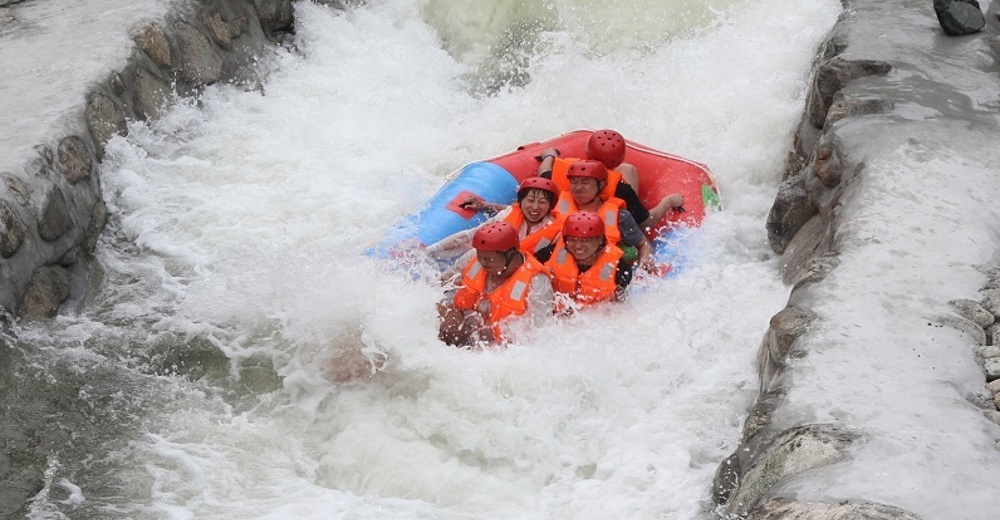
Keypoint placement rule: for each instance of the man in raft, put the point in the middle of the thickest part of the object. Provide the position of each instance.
(609, 147)
(588, 191)
(585, 267)
(498, 286)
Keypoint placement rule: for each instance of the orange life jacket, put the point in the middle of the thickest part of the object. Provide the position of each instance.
(560, 167)
(591, 286)
(608, 211)
(510, 299)
(540, 238)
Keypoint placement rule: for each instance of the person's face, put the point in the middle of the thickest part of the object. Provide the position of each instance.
(583, 248)
(535, 205)
(494, 262)
(583, 189)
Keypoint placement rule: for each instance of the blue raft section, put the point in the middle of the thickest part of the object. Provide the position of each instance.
(442, 215)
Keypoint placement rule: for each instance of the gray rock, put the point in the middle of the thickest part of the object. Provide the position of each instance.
(11, 232)
(787, 509)
(200, 61)
(993, 386)
(98, 218)
(17, 188)
(74, 160)
(827, 165)
(991, 301)
(811, 241)
(959, 17)
(791, 209)
(984, 352)
(104, 120)
(223, 32)
(55, 220)
(275, 15)
(967, 326)
(795, 450)
(47, 290)
(70, 257)
(844, 108)
(819, 268)
(153, 41)
(152, 96)
(785, 328)
(992, 368)
(831, 77)
(974, 311)
(760, 415)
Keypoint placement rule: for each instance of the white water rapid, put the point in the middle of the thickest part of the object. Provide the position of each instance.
(231, 274)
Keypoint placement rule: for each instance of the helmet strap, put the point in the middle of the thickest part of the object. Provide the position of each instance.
(509, 255)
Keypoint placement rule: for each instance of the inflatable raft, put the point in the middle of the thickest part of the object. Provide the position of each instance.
(496, 180)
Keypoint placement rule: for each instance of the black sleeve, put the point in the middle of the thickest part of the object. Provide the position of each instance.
(547, 174)
(624, 276)
(545, 253)
(634, 206)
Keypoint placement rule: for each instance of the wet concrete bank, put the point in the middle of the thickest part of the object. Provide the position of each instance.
(886, 69)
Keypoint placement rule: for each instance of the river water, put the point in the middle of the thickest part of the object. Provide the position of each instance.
(203, 375)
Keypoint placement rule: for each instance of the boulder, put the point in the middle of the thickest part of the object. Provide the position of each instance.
(55, 220)
(959, 17)
(795, 450)
(200, 60)
(153, 41)
(831, 77)
(785, 509)
(974, 311)
(49, 287)
(791, 209)
(74, 160)
(104, 120)
(11, 233)
(152, 95)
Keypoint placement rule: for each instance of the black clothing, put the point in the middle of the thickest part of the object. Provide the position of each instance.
(627, 193)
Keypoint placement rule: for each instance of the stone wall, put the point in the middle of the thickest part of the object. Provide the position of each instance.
(802, 226)
(51, 212)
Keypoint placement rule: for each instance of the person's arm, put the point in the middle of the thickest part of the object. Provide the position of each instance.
(476, 203)
(633, 236)
(456, 243)
(634, 206)
(540, 299)
(459, 242)
(668, 203)
(622, 279)
(546, 160)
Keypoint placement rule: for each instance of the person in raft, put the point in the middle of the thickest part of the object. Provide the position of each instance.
(500, 285)
(534, 217)
(585, 267)
(608, 146)
(587, 180)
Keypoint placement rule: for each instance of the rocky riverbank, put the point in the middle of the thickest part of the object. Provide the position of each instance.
(886, 69)
(51, 210)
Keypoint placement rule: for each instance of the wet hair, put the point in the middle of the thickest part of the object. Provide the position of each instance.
(551, 197)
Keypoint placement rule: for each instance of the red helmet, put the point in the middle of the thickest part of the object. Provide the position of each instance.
(538, 183)
(606, 146)
(496, 236)
(588, 168)
(583, 224)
